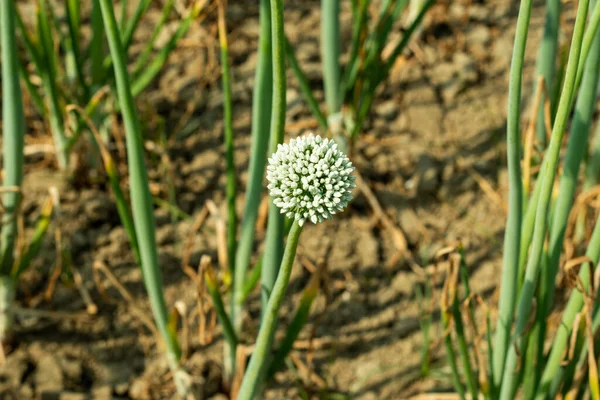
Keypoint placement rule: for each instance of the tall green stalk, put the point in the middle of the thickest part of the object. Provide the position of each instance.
(512, 235)
(13, 122)
(49, 76)
(261, 126)
(229, 142)
(13, 132)
(546, 61)
(230, 189)
(141, 199)
(548, 173)
(97, 44)
(275, 224)
(74, 24)
(262, 349)
(330, 55)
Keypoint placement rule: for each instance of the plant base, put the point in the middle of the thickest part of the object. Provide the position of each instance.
(7, 298)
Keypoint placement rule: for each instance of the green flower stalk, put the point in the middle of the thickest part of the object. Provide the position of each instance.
(309, 179)
(296, 325)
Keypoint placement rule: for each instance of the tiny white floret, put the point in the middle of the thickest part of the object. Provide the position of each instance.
(310, 178)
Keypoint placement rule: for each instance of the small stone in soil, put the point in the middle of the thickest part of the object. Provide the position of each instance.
(428, 174)
(48, 375)
(121, 388)
(408, 221)
(69, 396)
(103, 392)
(138, 389)
(388, 109)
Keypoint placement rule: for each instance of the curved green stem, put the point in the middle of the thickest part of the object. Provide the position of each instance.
(254, 373)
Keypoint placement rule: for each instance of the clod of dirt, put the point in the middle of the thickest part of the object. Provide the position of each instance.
(408, 221)
(458, 12)
(72, 396)
(13, 370)
(102, 392)
(388, 110)
(479, 12)
(427, 175)
(121, 389)
(501, 53)
(72, 368)
(453, 77)
(219, 396)
(478, 40)
(139, 389)
(165, 235)
(98, 206)
(48, 375)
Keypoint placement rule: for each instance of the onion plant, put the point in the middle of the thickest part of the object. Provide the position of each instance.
(76, 73)
(350, 90)
(520, 365)
(13, 260)
(319, 188)
(309, 179)
(141, 200)
(267, 133)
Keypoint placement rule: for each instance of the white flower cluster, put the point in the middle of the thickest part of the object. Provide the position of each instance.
(309, 178)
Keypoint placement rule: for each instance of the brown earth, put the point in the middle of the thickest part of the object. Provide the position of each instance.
(432, 152)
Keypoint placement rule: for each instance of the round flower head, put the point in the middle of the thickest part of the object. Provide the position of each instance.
(309, 178)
